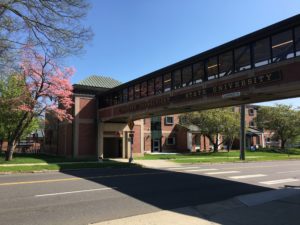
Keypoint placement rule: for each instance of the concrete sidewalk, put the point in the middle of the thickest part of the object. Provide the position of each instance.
(156, 163)
(278, 207)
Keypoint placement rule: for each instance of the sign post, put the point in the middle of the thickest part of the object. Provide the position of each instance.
(242, 134)
(131, 135)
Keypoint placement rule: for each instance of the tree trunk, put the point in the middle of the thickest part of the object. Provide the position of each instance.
(215, 147)
(283, 144)
(10, 151)
(216, 144)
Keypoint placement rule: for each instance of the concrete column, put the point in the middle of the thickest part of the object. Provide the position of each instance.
(242, 134)
(100, 140)
(76, 126)
(142, 137)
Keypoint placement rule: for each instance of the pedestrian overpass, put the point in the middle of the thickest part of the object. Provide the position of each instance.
(261, 66)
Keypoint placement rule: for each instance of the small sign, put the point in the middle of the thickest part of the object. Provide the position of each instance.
(231, 95)
(130, 124)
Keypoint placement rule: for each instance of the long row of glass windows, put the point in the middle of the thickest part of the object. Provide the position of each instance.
(271, 49)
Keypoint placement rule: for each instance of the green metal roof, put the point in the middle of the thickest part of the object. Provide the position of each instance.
(99, 81)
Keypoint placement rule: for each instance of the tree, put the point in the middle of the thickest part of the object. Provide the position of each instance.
(43, 86)
(282, 120)
(213, 123)
(52, 25)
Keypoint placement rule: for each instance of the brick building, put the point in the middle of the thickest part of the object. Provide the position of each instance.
(82, 137)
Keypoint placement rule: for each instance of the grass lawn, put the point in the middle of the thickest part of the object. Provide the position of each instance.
(232, 156)
(61, 167)
(19, 158)
(54, 163)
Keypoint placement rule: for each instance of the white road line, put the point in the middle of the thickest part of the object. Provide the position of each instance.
(248, 176)
(200, 170)
(185, 168)
(74, 192)
(223, 172)
(291, 171)
(270, 182)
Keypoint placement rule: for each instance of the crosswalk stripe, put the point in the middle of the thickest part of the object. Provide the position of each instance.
(223, 172)
(185, 168)
(270, 182)
(200, 170)
(248, 176)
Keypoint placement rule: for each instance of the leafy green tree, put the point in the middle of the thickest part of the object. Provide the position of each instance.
(283, 120)
(213, 123)
(13, 94)
(40, 86)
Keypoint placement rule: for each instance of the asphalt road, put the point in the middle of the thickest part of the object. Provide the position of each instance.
(88, 196)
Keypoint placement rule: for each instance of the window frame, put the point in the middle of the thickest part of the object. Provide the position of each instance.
(167, 122)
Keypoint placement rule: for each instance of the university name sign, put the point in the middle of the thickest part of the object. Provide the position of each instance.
(231, 86)
(220, 89)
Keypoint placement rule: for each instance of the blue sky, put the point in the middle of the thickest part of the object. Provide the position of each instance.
(135, 37)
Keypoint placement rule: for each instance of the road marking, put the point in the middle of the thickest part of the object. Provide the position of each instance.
(248, 176)
(79, 178)
(40, 181)
(200, 170)
(223, 172)
(186, 168)
(291, 171)
(270, 182)
(74, 192)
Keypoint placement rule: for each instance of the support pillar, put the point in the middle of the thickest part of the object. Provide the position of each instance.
(242, 133)
(100, 141)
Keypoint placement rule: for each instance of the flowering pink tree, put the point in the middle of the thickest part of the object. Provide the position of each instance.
(47, 89)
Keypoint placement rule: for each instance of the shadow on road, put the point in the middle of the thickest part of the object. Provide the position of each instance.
(164, 189)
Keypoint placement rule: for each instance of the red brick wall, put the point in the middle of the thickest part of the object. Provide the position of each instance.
(87, 108)
(65, 139)
(137, 139)
(87, 140)
(181, 140)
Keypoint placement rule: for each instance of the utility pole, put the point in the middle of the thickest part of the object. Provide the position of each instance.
(242, 133)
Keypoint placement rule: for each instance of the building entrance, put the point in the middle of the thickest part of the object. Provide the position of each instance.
(112, 147)
(156, 145)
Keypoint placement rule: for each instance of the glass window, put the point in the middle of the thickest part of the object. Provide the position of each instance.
(261, 52)
(158, 85)
(176, 79)
(211, 67)
(125, 95)
(242, 58)
(144, 89)
(120, 99)
(131, 94)
(137, 91)
(150, 87)
(108, 101)
(225, 64)
(169, 120)
(115, 98)
(297, 40)
(282, 46)
(198, 72)
(187, 76)
(167, 82)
